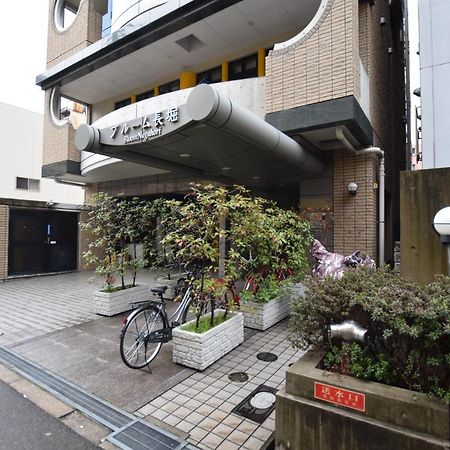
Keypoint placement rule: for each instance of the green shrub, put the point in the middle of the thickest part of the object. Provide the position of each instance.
(408, 338)
(269, 288)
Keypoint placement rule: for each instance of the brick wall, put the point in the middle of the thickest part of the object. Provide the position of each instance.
(85, 30)
(355, 216)
(58, 140)
(4, 232)
(323, 66)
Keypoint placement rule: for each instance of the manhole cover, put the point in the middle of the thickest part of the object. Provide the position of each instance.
(258, 405)
(262, 400)
(238, 377)
(268, 357)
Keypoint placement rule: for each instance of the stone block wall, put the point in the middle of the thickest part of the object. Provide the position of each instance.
(4, 233)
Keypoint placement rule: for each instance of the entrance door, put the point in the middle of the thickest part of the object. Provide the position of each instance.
(42, 242)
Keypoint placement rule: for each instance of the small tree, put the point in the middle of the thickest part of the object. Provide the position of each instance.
(116, 225)
(102, 225)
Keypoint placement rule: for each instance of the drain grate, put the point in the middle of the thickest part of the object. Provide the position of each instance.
(130, 433)
(136, 436)
(267, 357)
(258, 405)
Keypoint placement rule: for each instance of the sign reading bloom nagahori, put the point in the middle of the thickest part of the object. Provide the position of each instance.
(143, 128)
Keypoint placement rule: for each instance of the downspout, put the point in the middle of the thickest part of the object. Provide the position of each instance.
(381, 175)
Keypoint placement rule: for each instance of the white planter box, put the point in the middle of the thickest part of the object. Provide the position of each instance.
(199, 351)
(111, 303)
(171, 284)
(262, 316)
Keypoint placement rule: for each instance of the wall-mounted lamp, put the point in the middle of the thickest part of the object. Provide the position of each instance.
(352, 188)
(382, 21)
(441, 223)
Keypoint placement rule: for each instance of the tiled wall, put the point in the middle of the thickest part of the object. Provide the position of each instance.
(85, 30)
(321, 67)
(355, 216)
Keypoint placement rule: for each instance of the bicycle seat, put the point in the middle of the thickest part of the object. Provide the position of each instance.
(159, 289)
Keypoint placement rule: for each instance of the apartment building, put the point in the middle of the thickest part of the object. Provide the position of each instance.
(293, 99)
(38, 217)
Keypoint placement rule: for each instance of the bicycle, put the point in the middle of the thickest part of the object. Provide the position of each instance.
(148, 326)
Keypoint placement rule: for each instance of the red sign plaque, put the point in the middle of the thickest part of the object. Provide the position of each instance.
(339, 396)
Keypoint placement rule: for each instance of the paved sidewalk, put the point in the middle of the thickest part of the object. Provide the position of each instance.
(31, 307)
(201, 405)
(50, 321)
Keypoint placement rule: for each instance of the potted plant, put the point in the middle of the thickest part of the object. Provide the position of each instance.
(279, 241)
(389, 386)
(115, 225)
(196, 227)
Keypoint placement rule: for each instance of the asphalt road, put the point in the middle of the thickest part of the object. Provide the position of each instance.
(24, 426)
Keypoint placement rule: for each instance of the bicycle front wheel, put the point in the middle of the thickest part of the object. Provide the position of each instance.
(135, 348)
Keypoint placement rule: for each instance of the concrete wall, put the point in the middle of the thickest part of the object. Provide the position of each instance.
(21, 156)
(422, 194)
(434, 30)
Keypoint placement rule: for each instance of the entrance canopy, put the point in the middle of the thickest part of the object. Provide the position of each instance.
(207, 136)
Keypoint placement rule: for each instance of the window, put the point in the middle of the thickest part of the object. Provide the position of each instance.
(65, 13)
(169, 87)
(144, 95)
(244, 68)
(122, 103)
(210, 76)
(29, 184)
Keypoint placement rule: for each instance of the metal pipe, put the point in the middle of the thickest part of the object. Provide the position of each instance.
(348, 331)
(381, 183)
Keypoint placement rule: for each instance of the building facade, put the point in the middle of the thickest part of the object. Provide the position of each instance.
(38, 217)
(425, 192)
(278, 95)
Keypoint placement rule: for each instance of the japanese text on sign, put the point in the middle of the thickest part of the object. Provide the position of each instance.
(141, 130)
(339, 396)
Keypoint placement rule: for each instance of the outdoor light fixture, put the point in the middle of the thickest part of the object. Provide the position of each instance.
(185, 155)
(352, 188)
(441, 223)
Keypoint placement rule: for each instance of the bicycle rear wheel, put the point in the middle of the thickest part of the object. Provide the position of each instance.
(136, 350)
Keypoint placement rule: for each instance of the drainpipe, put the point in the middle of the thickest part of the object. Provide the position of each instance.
(381, 175)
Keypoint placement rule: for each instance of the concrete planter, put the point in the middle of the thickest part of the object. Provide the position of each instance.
(111, 303)
(354, 414)
(261, 316)
(170, 283)
(199, 351)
